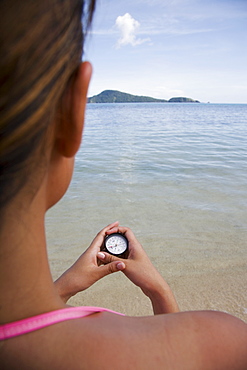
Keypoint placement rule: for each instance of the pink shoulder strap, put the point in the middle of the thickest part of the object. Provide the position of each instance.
(30, 324)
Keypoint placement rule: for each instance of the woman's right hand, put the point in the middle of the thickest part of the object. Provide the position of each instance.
(140, 270)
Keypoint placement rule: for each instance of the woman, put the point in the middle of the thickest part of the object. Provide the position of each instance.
(43, 98)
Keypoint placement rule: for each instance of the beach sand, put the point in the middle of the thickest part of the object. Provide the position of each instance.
(195, 288)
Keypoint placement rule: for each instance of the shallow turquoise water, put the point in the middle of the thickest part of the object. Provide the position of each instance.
(175, 173)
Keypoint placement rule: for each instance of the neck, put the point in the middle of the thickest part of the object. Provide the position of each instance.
(26, 287)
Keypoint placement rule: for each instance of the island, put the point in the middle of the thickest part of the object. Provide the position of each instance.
(114, 96)
(182, 100)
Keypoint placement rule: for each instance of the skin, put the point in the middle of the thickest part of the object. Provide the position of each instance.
(167, 340)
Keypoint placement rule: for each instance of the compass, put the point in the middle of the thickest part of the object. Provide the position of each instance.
(116, 244)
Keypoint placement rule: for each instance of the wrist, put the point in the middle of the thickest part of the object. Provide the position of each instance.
(162, 299)
(156, 292)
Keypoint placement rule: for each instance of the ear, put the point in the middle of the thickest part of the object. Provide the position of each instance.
(71, 125)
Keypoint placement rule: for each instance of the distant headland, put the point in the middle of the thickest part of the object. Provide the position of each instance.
(114, 96)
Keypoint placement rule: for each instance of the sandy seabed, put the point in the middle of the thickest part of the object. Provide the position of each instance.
(193, 292)
(196, 288)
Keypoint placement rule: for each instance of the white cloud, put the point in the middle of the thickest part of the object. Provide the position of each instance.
(128, 27)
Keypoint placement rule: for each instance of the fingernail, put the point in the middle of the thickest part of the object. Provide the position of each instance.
(101, 255)
(121, 266)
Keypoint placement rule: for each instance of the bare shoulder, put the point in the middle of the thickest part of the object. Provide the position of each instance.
(189, 340)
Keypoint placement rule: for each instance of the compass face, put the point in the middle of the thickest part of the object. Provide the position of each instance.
(116, 244)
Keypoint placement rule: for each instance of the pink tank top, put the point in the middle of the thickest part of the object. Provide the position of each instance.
(34, 323)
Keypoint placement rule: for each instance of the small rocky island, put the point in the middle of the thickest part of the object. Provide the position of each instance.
(114, 96)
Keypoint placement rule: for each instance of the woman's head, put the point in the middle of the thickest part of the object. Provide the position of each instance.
(41, 48)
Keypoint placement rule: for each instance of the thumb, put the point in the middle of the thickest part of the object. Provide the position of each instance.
(110, 265)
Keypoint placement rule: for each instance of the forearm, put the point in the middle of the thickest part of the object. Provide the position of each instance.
(65, 287)
(162, 299)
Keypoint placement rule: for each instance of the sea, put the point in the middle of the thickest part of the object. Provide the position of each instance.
(176, 174)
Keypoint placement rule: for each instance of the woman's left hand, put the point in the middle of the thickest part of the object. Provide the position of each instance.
(86, 271)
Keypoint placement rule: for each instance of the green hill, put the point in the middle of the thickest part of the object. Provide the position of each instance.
(114, 96)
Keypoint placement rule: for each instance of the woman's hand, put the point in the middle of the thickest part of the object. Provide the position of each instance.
(140, 270)
(86, 271)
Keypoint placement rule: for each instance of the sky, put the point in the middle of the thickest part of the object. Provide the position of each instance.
(168, 48)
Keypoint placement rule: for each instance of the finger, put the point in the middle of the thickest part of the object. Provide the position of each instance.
(135, 248)
(111, 226)
(130, 236)
(123, 230)
(108, 228)
(98, 240)
(114, 229)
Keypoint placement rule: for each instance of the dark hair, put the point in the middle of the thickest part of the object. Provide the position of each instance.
(41, 45)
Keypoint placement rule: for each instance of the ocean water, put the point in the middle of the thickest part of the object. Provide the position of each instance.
(177, 175)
